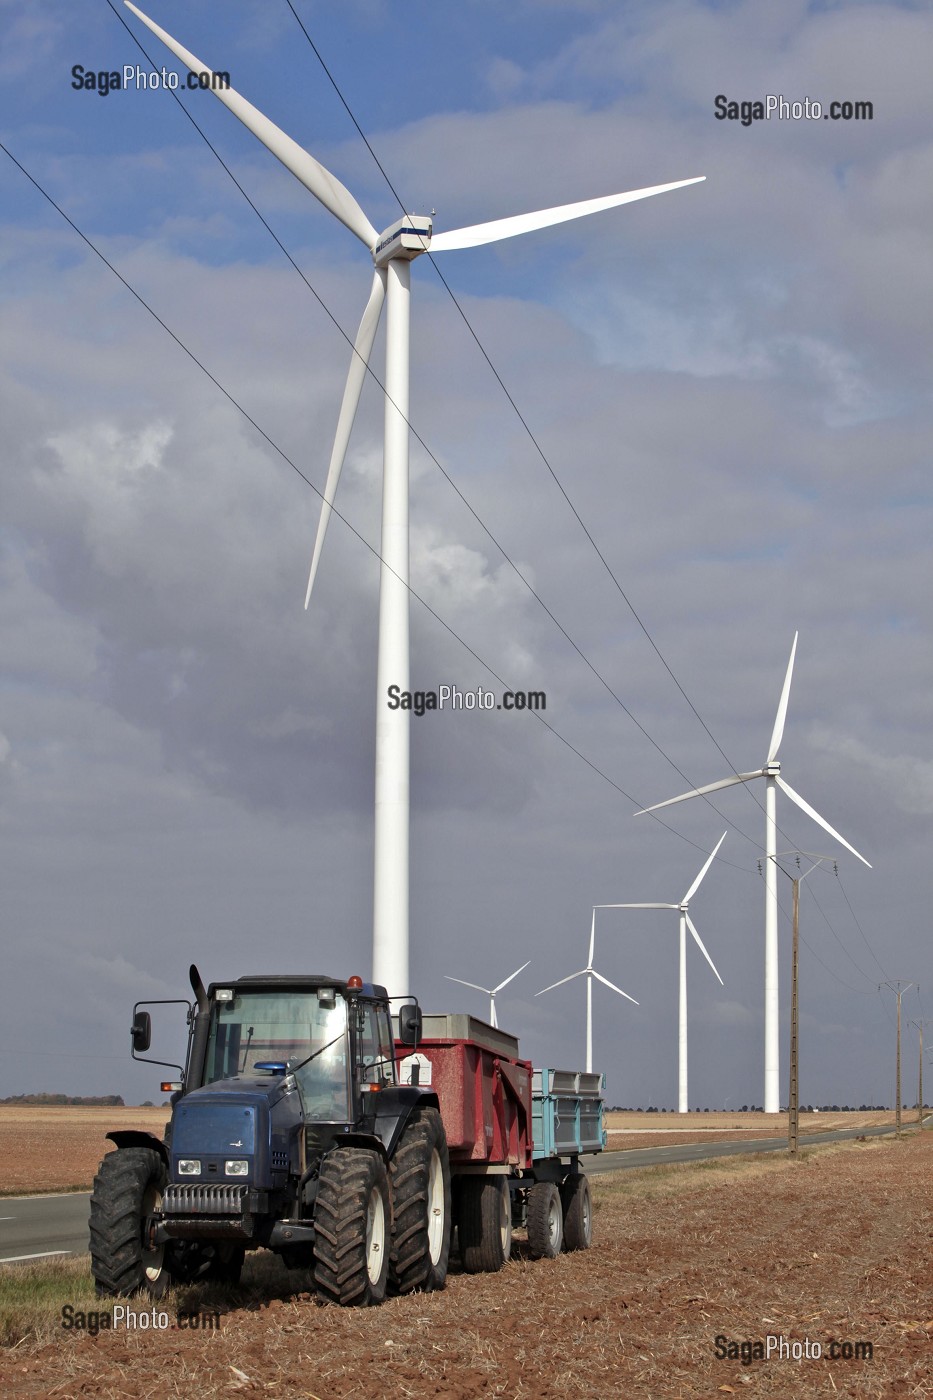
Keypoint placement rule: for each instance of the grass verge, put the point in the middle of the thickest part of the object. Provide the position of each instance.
(32, 1297)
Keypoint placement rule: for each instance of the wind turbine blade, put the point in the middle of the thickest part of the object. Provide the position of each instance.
(777, 734)
(701, 947)
(498, 229)
(582, 971)
(476, 987)
(699, 879)
(589, 961)
(638, 906)
(514, 974)
(811, 812)
(322, 184)
(710, 787)
(362, 349)
(606, 983)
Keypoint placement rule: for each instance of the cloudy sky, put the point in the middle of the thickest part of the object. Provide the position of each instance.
(728, 426)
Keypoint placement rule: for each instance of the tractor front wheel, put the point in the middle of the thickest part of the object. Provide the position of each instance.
(127, 1192)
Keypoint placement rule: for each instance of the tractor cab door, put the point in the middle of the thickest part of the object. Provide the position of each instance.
(376, 1048)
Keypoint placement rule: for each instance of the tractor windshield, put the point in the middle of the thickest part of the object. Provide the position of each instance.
(306, 1031)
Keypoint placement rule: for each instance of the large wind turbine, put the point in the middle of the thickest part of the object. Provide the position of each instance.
(685, 923)
(771, 773)
(490, 991)
(392, 252)
(589, 972)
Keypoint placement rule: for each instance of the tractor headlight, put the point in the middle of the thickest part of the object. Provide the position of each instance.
(237, 1167)
(189, 1166)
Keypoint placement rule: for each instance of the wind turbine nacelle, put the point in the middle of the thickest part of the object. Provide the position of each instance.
(407, 238)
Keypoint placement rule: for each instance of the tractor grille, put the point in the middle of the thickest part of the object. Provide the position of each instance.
(279, 1161)
(190, 1199)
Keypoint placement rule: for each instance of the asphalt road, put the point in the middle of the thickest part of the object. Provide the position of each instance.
(36, 1227)
(700, 1151)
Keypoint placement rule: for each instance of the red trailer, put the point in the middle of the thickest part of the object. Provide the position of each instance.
(514, 1136)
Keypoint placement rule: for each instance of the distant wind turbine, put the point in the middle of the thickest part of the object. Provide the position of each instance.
(589, 972)
(392, 252)
(490, 991)
(685, 923)
(771, 773)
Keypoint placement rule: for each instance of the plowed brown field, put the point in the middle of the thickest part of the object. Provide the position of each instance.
(58, 1149)
(832, 1249)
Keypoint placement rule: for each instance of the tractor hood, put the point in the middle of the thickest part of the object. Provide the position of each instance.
(243, 1130)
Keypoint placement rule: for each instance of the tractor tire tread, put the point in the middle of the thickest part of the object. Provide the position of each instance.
(412, 1266)
(115, 1236)
(348, 1175)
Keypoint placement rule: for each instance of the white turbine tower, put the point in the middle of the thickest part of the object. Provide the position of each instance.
(589, 972)
(490, 991)
(771, 773)
(685, 923)
(392, 253)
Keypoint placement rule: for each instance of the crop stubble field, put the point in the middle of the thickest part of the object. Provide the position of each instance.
(836, 1246)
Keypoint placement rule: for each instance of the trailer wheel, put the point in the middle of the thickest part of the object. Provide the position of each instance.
(484, 1225)
(545, 1219)
(420, 1177)
(127, 1191)
(351, 1228)
(578, 1212)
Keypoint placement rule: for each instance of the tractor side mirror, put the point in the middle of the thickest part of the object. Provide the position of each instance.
(409, 1024)
(141, 1032)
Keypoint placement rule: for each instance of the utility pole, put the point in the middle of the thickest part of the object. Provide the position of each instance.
(793, 1101)
(793, 1097)
(920, 1025)
(899, 992)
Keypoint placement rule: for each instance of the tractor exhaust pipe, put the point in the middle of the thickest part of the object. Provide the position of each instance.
(199, 1036)
(197, 986)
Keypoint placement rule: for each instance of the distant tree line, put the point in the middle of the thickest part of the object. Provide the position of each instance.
(56, 1100)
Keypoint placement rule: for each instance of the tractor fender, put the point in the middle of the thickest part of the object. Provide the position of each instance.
(137, 1137)
(397, 1103)
(368, 1140)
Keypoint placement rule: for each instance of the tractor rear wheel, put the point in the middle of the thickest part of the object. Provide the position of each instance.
(420, 1176)
(127, 1190)
(484, 1224)
(352, 1228)
(578, 1212)
(545, 1219)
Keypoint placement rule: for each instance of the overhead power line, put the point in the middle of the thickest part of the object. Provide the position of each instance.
(307, 481)
(473, 512)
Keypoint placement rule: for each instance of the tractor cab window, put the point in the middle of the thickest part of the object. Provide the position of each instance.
(377, 1049)
(303, 1030)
